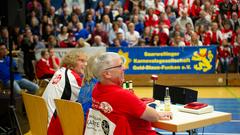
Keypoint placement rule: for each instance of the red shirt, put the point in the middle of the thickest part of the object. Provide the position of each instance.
(43, 68)
(123, 103)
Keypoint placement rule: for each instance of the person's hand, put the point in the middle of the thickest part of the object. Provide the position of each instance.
(165, 115)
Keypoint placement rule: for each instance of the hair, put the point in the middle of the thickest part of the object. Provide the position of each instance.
(102, 62)
(43, 52)
(88, 74)
(70, 59)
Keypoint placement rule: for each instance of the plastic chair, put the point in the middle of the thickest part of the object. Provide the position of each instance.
(37, 114)
(71, 116)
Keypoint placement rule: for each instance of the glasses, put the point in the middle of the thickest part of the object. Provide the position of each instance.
(119, 66)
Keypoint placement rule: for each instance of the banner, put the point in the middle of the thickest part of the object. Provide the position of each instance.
(168, 60)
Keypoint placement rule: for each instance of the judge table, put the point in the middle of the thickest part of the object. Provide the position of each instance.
(183, 121)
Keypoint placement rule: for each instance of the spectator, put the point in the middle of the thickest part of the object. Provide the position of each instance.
(106, 24)
(89, 81)
(213, 36)
(177, 30)
(122, 25)
(19, 83)
(155, 40)
(195, 10)
(63, 35)
(139, 26)
(151, 19)
(147, 35)
(183, 20)
(54, 61)
(90, 24)
(225, 9)
(100, 32)
(43, 69)
(39, 44)
(116, 43)
(51, 42)
(108, 11)
(123, 42)
(115, 4)
(132, 36)
(177, 41)
(113, 32)
(98, 42)
(82, 33)
(188, 33)
(195, 40)
(227, 32)
(170, 14)
(4, 37)
(224, 54)
(109, 70)
(64, 17)
(202, 20)
(65, 84)
(235, 21)
(27, 46)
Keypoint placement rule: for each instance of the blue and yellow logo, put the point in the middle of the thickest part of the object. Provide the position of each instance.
(125, 55)
(204, 58)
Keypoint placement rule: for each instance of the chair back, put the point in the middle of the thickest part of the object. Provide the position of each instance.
(178, 95)
(71, 116)
(37, 113)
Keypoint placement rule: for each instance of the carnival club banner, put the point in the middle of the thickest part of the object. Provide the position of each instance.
(168, 60)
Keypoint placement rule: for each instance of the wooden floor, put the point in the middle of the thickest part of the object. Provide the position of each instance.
(203, 92)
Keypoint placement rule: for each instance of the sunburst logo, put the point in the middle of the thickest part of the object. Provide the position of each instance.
(204, 58)
(125, 55)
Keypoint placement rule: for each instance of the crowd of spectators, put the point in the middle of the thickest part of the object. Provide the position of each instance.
(129, 23)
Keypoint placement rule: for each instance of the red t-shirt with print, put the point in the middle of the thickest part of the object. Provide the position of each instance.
(123, 103)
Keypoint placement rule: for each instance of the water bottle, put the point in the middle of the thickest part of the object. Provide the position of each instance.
(130, 85)
(167, 101)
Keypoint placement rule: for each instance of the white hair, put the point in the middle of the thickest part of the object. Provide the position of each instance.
(103, 61)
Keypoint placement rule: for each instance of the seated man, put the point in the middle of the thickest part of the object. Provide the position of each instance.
(19, 82)
(112, 100)
(43, 69)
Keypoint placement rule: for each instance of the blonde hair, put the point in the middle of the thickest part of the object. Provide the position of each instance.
(70, 59)
(88, 74)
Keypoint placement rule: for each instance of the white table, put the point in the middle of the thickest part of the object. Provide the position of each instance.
(183, 121)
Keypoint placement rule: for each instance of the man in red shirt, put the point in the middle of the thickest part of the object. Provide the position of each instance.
(43, 69)
(112, 100)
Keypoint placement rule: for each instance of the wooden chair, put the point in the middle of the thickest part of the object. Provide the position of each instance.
(37, 114)
(71, 116)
